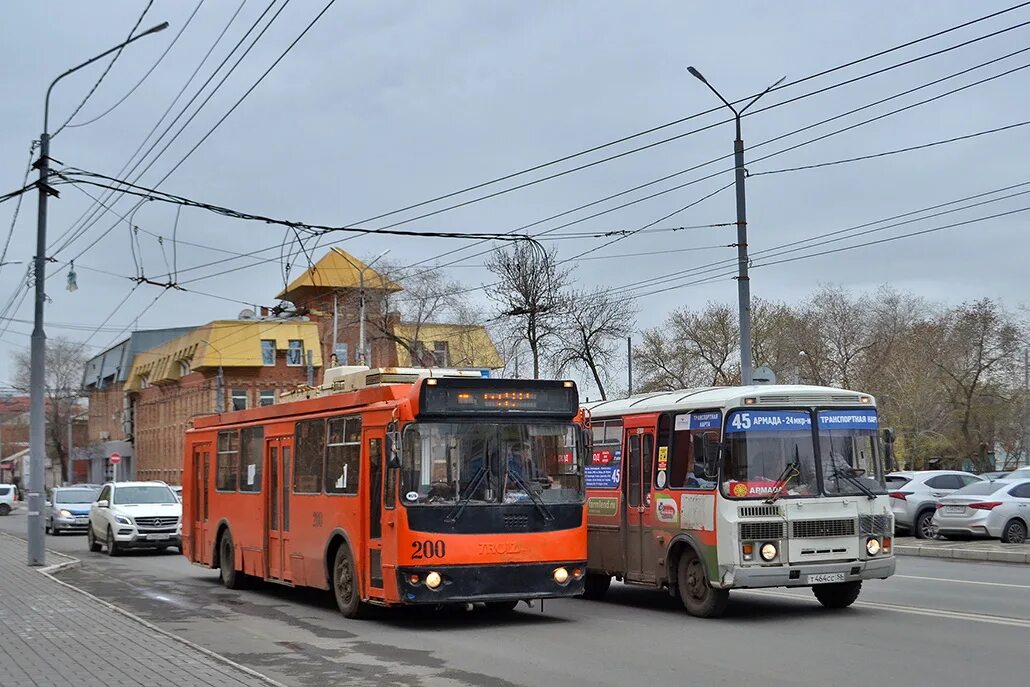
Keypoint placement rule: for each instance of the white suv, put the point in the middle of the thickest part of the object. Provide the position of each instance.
(8, 497)
(130, 515)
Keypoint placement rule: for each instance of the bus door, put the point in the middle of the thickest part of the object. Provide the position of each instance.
(278, 455)
(638, 459)
(375, 445)
(199, 514)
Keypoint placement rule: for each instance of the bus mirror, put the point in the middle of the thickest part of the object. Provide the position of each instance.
(393, 459)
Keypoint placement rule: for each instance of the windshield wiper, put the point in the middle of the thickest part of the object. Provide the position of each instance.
(838, 473)
(534, 497)
(790, 471)
(453, 516)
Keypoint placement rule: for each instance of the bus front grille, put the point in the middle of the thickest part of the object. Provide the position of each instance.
(875, 524)
(752, 531)
(515, 521)
(770, 510)
(806, 529)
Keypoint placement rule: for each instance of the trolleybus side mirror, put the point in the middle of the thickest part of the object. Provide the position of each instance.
(393, 459)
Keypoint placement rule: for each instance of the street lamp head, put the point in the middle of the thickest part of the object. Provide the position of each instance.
(781, 80)
(697, 75)
(154, 29)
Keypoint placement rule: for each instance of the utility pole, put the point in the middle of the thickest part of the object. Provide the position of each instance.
(37, 369)
(70, 474)
(629, 365)
(1026, 406)
(743, 278)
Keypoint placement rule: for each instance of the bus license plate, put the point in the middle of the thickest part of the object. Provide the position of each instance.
(825, 578)
(157, 537)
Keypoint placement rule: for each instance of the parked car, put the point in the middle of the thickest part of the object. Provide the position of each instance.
(130, 515)
(995, 476)
(8, 497)
(999, 510)
(914, 496)
(68, 509)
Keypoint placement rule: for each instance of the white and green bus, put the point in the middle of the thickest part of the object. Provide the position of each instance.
(700, 491)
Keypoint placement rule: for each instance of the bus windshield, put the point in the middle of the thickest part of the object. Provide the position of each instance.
(769, 452)
(848, 452)
(479, 462)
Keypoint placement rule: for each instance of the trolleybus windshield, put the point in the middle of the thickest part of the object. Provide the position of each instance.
(485, 462)
(848, 452)
(769, 452)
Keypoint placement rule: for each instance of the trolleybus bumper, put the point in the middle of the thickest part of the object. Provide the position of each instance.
(471, 583)
(807, 575)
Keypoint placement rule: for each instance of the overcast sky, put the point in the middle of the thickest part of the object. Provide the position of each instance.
(382, 105)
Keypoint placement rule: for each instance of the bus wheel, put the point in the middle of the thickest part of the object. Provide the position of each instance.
(595, 586)
(345, 585)
(698, 597)
(837, 595)
(231, 577)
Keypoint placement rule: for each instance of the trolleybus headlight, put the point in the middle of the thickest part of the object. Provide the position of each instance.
(433, 580)
(768, 551)
(872, 546)
(561, 575)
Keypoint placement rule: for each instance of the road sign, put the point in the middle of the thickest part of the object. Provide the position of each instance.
(115, 458)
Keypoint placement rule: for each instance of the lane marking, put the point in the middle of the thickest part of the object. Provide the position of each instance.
(947, 579)
(913, 610)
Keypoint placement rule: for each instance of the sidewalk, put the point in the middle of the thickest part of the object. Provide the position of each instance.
(53, 635)
(982, 550)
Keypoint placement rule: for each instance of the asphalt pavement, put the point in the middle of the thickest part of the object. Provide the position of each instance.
(939, 622)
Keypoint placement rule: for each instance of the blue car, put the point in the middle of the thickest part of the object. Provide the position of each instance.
(68, 509)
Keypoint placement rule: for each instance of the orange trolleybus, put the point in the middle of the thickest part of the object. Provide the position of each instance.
(395, 486)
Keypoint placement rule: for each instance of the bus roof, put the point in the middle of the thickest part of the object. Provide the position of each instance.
(728, 396)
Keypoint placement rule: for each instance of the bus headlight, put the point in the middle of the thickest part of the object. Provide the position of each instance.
(561, 575)
(433, 580)
(872, 546)
(768, 551)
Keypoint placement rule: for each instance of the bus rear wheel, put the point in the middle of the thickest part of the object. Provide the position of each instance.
(837, 595)
(596, 585)
(345, 585)
(698, 596)
(231, 577)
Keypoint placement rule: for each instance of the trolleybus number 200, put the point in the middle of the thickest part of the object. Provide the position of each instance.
(425, 550)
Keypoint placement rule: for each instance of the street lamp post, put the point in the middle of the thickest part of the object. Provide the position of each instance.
(361, 300)
(37, 370)
(743, 280)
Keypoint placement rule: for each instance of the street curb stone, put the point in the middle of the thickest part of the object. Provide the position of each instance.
(75, 562)
(963, 554)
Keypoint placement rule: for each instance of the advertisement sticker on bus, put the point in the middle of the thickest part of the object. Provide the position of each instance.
(768, 421)
(663, 457)
(848, 419)
(602, 505)
(604, 457)
(666, 510)
(744, 489)
(602, 476)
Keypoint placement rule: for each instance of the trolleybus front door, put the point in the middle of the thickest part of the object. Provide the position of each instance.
(637, 486)
(277, 506)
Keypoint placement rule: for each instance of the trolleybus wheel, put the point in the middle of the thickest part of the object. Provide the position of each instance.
(698, 597)
(595, 586)
(501, 606)
(345, 585)
(231, 577)
(837, 595)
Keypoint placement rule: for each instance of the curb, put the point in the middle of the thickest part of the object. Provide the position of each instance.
(75, 562)
(987, 555)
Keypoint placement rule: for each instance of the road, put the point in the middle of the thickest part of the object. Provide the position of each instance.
(937, 622)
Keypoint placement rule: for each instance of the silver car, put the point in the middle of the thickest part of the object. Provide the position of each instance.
(999, 510)
(914, 496)
(68, 509)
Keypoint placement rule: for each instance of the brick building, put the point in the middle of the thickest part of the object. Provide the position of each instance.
(226, 364)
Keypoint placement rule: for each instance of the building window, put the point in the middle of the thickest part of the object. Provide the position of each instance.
(252, 446)
(266, 397)
(239, 399)
(442, 353)
(268, 352)
(227, 470)
(295, 353)
(185, 367)
(343, 456)
(144, 381)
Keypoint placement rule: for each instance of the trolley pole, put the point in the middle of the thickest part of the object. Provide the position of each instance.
(37, 365)
(743, 261)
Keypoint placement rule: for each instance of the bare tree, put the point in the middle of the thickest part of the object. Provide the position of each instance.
(690, 349)
(590, 333)
(65, 362)
(530, 295)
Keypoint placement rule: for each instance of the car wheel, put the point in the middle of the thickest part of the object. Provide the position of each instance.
(112, 545)
(5, 509)
(345, 585)
(925, 529)
(596, 585)
(698, 596)
(839, 595)
(91, 540)
(231, 577)
(1014, 532)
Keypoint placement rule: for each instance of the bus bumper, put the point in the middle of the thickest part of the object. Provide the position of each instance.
(802, 575)
(471, 583)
